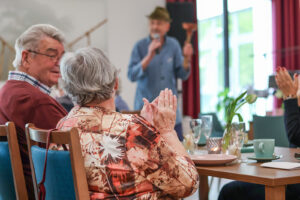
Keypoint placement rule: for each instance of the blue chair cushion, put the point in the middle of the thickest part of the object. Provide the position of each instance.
(7, 189)
(59, 178)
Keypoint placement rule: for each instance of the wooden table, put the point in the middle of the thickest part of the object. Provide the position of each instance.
(275, 180)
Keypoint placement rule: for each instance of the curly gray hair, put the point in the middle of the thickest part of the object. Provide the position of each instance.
(88, 75)
(31, 37)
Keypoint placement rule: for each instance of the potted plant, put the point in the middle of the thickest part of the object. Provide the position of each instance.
(231, 111)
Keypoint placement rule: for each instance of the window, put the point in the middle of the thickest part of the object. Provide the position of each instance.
(211, 53)
(250, 47)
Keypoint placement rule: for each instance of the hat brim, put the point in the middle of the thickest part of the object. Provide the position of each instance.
(159, 18)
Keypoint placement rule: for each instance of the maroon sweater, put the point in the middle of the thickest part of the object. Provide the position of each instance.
(21, 103)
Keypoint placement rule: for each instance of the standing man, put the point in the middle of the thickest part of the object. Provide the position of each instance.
(25, 96)
(156, 62)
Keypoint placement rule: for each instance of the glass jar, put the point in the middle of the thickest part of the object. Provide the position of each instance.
(233, 139)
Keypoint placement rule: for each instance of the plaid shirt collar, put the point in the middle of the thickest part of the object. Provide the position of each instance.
(22, 76)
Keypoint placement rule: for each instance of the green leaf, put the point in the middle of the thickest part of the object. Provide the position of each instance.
(240, 117)
(241, 96)
(239, 106)
(219, 107)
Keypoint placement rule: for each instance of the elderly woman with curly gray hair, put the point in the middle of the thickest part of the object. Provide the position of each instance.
(126, 156)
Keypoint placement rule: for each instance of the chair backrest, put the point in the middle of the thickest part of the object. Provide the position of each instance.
(65, 173)
(270, 127)
(12, 181)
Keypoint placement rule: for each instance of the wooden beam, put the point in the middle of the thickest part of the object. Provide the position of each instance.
(7, 44)
(87, 33)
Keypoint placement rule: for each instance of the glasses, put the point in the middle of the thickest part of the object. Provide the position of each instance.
(53, 58)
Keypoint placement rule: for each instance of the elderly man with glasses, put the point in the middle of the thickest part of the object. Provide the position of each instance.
(25, 96)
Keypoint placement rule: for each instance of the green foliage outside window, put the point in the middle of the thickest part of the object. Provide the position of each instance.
(246, 64)
(245, 21)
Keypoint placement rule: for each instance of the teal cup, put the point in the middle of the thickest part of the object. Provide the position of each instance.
(264, 148)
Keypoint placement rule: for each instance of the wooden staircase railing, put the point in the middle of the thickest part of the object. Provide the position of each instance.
(87, 34)
(5, 45)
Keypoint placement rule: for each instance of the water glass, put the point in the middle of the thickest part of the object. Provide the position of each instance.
(195, 125)
(206, 127)
(239, 137)
(189, 143)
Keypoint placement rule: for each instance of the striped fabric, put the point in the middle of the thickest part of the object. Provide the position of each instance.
(22, 76)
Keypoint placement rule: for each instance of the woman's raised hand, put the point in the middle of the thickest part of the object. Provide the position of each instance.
(285, 83)
(164, 113)
(298, 90)
(147, 110)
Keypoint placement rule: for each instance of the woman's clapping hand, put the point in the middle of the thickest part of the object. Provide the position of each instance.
(162, 111)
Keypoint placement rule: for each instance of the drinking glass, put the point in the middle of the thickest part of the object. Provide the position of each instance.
(206, 126)
(195, 125)
(239, 137)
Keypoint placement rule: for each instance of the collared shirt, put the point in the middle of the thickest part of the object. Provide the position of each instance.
(161, 73)
(22, 76)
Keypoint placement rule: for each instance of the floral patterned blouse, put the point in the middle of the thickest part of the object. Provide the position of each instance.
(126, 158)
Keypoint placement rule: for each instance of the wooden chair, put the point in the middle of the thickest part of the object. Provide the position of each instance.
(15, 182)
(58, 164)
(131, 112)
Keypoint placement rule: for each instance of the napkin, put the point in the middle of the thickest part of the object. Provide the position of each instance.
(281, 165)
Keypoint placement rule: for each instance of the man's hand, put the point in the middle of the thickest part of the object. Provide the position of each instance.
(187, 53)
(155, 44)
(188, 50)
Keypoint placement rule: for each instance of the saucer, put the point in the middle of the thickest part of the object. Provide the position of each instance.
(275, 157)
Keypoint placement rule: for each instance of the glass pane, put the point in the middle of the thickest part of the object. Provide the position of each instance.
(250, 43)
(211, 54)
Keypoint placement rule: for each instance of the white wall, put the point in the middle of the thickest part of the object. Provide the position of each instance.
(81, 16)
(127, 24)
(73, 17)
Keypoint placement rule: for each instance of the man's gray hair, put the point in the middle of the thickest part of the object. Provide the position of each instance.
(31, 37)
(88, 75)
